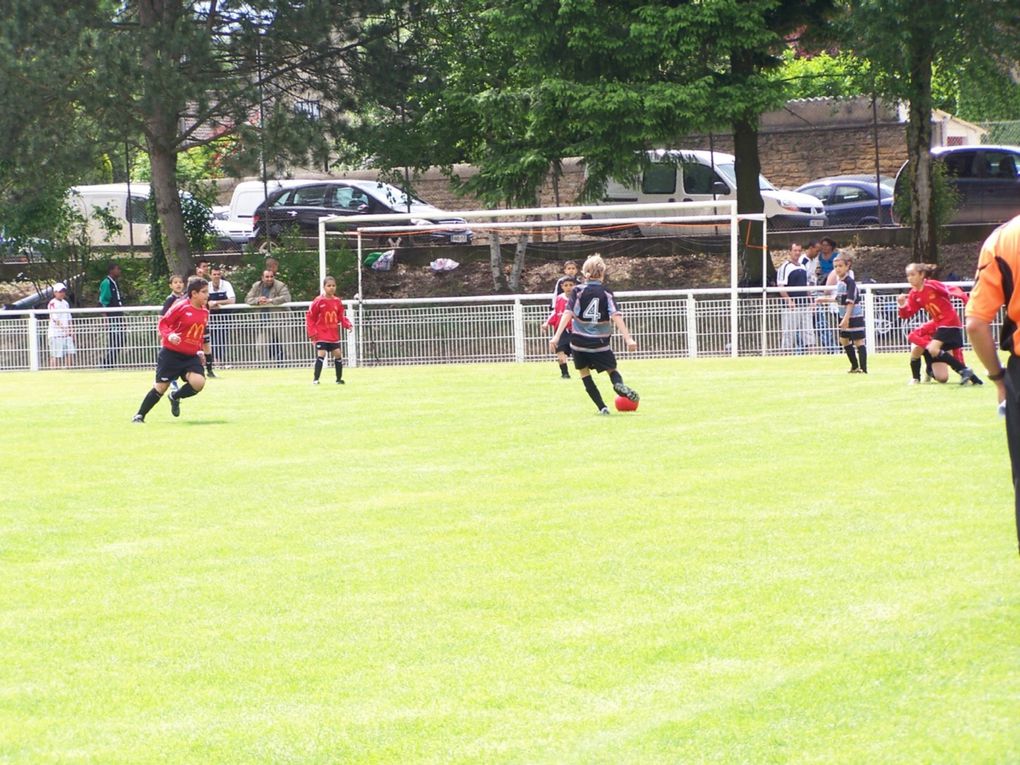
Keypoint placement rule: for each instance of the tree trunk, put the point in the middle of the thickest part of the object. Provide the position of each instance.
(496, 263)
(168, 208)
(922, 198)
(518, 267)
(161, 137)
(748, 168)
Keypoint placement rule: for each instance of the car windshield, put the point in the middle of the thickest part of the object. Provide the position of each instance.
(395, 197)
(729, 172)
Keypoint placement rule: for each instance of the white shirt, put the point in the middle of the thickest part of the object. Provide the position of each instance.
(60, 318)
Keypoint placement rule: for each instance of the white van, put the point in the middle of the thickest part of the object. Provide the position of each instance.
(126, 209)
(129, 210)
(682, 175)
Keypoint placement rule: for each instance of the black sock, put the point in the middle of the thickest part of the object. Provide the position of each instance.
(593, 392)
(318, 367)
(563, 370)
(151, 399)
(862, 355)
(927, 364)
(339, 364)
(615, 377)
(915, 369)
(209, 361)
(851, 353)
(185, 391)
(947, 358)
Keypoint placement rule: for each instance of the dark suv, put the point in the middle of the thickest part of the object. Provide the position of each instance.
(299, 208)
(985, 177)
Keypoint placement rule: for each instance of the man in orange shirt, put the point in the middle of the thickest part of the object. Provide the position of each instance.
(995, 287)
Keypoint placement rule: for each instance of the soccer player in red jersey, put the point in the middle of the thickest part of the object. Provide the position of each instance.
(323, 321)
(937, 338)
(181, 329)
(567, 284)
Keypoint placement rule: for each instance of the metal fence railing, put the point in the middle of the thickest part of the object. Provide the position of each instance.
(667, 324)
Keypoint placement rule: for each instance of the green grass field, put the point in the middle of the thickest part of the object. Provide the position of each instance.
(771, 561)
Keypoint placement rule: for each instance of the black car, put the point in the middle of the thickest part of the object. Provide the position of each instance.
(854, 200)
(298, 208)
(985, 179)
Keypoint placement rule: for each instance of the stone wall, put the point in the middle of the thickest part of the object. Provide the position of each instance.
(789, 157)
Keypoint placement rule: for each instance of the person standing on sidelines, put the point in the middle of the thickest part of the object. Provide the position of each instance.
(553, 322)
(181, 329)
(110, 298)
(995, 287)
(323, 320)
(851, 324)
(943, 333)
(221, 293)
(59, 332)
(592, 313)
(797, 329)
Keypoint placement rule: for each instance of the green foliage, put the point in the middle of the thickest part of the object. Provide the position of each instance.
(367, 587)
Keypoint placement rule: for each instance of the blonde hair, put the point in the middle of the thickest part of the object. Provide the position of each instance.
(594, 267)
(925, 269)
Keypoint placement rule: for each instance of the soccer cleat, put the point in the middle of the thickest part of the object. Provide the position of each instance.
(340, 382)
(626, 391)
(914, 381)
(929, 376)
(138, 420)
(967, 376)
(854, 371)
(564, 377)
(315, 382)
(175, 405)
(604, 411)
(209, 373)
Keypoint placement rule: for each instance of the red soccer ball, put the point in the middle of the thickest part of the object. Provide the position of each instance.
(624, 404)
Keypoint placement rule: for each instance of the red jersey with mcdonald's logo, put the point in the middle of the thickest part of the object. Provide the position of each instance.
(188, 322)
(324, 318)
(933, 297)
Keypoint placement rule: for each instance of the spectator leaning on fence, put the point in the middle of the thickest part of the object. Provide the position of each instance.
(60, 333)
(269, 292)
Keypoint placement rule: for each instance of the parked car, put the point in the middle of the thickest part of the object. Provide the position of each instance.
(853, 200)
(299, 208)
(984, 177)
(687, 175)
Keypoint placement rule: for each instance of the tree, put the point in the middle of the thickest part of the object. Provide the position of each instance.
(530, 82)
(904, 41)
(171, 74)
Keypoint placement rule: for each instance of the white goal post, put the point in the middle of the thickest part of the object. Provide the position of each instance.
(555, 218)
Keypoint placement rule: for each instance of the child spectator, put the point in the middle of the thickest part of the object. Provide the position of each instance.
(567, 284)
(59, 332)
(176, 293)
(323, 320)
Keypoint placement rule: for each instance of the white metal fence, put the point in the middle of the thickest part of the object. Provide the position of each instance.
(667, 323)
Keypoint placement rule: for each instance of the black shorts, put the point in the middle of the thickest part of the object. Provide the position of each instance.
(855, 331)
(170, 365)
(322, 345)
(563, 345)
(600, 361)
(206, 337)
(950, 337)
